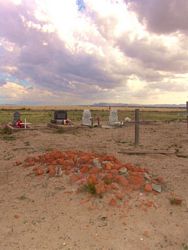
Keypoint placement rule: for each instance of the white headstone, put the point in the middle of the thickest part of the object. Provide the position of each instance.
(86, 118)
(113, 118)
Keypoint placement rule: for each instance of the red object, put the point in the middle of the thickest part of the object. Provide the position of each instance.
(19, 124)
(148, 188)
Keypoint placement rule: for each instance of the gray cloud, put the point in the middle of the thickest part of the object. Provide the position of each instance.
(162, 16)
(155, 56)
(170, 85)
(43, 59)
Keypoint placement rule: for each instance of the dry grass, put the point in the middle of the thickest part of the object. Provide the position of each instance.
(80, 107)
(43, 114)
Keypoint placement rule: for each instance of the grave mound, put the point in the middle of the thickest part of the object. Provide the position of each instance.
(97, 174)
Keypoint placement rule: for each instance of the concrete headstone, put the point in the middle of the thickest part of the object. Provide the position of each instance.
(86, 118)
(16, 117)
(113, 118)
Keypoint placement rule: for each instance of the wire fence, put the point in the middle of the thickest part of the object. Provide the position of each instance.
(43, 116)
(145, 118)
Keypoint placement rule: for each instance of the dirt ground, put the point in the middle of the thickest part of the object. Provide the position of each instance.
(38, 212)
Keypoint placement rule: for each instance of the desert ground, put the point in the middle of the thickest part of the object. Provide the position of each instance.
(43, 212)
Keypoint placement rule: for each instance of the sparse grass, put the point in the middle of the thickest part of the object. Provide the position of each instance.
(175, 201)
(185, 246)
(90, 188)
(27, 143)
(59, 131)
(6, 130)
(8, 137)
(37, 115)
(22, 197)
(107, 181)
(48, 149)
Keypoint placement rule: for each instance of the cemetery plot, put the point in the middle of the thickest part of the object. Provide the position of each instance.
(60, 120)
(86, 118)
(97, 174)
(113, 118)
(77, 191)
(17, 124)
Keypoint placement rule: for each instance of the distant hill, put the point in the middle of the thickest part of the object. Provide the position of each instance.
(104, 104)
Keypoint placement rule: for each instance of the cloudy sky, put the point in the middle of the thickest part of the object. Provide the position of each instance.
(89, 51)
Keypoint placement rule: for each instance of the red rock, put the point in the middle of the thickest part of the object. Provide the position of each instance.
(17, 163)
(84, 169)
(117, 166)
(92, 179)
(100, 188)
(39, 171)
(108, 166)
(114, 172)
(51, 171)
(114, 186)
(112, 202)
(94, 170)
(148, 187)
(74, 178)
(60, 161)
(119, 195)
(122, 180)
(137, 181)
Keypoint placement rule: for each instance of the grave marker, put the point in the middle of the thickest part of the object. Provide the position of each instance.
(113, 118)
(59, 116)
(86, 118)
(16, 117)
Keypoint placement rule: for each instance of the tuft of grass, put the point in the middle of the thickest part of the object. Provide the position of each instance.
(22, 197)
(27, 143)
(185, 246)
(8, 137)
(48, 149)
(90, 188)
(6, 130)
(175, 201)
(60, 131)
(107, 181)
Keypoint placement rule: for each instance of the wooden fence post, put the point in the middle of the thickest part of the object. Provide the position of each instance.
(187, 114)
(137, 120)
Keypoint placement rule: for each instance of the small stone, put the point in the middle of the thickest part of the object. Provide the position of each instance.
(59, 171)
(156, 188)
(112, 202)
(147, 177)
(123, 171)
(146, 233)
(97, 163)
(148, 187)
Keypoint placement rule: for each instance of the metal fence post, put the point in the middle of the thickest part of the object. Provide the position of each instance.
(137, 120)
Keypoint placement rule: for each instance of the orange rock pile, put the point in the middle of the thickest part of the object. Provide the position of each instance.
(96, 173)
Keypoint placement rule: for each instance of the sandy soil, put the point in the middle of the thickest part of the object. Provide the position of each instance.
(47, 213)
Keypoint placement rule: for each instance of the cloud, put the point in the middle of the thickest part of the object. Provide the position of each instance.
(162, 16)
(155, 54)
(96, 53)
